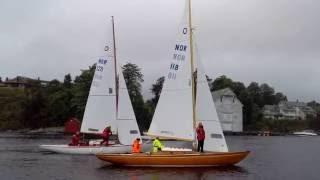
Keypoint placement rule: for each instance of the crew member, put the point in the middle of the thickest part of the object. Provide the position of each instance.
(106, 135)
(136, 146)
(156, 144)
(75, 140)
(201, 135)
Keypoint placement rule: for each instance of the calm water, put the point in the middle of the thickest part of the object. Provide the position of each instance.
(273, 158)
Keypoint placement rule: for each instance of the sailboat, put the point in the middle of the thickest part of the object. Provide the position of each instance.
(108, 104)
(178, 111)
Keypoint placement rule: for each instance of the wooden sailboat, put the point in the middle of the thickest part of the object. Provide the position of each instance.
(108, 104)
(178, 111)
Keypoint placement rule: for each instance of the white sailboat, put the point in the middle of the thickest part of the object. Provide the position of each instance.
(107, 105)
(179, 110)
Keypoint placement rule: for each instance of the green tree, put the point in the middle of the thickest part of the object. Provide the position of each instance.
(11, 111)
(80, 91)
(133, 77)
(59, 98)
(220, 83)
(35, 109)
(67, 82)
(156, 90)
(280, 97)
(267, 94)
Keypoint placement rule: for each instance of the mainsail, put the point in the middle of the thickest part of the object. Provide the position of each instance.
(173, 115)
(100, 110)
(101, 104)
(128, 129)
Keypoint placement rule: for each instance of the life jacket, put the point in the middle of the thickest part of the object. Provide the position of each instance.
(75, 140)
(106, 133)
(201, 135)
(135, 147)
(157, 146)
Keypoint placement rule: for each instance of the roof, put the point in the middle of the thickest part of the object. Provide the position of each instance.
(216, 95)
(222, 92)
(22, 80)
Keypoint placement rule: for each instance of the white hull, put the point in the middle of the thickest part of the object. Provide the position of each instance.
(66, 149)
(304, 134)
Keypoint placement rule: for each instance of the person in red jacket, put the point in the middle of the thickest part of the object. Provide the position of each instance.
(136, 146)
(75, 140)
(105, 136)
(201, 135)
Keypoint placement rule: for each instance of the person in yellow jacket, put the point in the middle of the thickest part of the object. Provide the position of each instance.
(156, 144)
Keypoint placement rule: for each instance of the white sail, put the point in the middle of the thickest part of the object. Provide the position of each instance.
(206, 114)
(100, 110)
(173, 115)
(128, 129)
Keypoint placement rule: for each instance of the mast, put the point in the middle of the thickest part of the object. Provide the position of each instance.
(192, 67)
(115, 66)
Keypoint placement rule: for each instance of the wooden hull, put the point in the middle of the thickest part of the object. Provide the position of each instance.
(176, 159)
(86, 150)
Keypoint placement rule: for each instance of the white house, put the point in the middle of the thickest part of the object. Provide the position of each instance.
(289, 110)
(229, 110)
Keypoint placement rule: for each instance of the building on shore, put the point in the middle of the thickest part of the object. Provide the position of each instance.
(289, 110)
(229, 109)
(21, 82)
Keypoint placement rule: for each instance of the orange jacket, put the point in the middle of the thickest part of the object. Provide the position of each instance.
(135, 147)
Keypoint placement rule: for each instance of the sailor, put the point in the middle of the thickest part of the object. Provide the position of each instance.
(200, 136)
(136, 146)
(106, 135)
(156, 144)
(75, 141)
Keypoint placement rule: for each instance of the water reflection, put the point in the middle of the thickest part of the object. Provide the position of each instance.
(200, 173)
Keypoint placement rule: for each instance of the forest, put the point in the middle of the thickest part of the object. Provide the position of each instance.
(50, 105)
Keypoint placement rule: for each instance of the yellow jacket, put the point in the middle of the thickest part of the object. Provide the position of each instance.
(156, 145)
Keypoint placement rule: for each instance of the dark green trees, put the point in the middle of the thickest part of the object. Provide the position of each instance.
(133, 77)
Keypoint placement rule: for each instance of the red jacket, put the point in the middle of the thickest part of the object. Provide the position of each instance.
(135, 147)
(201, 135)
(106, 133)
(75, 140)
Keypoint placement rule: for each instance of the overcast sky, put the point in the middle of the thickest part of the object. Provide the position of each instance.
(267, 41)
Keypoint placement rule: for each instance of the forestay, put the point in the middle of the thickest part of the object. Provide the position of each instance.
(173, 115)
(206, 114)
(100, 110)
(128, 129)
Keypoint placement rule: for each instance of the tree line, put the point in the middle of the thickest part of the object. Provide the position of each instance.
(52, 104)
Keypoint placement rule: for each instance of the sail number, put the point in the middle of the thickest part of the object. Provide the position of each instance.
(102, 61)
(185, 30)
(100, 68)
(172, 75)
(174, 66)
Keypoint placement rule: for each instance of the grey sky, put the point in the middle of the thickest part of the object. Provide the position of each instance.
(271, 41)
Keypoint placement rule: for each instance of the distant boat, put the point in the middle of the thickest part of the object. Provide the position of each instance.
(305, 133)
(107, 105)
(178, 111)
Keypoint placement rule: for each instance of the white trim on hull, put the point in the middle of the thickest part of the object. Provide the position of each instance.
(304, 134)
(85, 150)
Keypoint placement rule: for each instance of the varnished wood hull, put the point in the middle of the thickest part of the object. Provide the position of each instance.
(175, 159)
